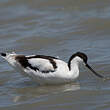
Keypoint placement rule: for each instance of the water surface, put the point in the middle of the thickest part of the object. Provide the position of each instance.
(57, 28)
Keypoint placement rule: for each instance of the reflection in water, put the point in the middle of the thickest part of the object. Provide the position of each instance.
(40, 91)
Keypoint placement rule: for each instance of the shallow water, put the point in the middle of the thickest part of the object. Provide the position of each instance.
(57, 28)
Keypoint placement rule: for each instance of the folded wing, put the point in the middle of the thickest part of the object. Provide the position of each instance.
(44, 64)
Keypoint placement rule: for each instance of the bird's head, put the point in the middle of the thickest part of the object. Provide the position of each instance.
(80, 57)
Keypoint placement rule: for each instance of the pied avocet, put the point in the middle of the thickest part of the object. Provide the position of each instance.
(48, 69)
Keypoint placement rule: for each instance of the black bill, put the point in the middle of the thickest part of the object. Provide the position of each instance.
(94, 71)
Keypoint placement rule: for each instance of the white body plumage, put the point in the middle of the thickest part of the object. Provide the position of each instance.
(47, 69)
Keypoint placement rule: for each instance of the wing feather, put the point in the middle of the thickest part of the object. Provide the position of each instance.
(42, 64)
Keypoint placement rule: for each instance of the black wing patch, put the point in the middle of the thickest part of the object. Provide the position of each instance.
(23, 60)
(41, 56)
(50, 58)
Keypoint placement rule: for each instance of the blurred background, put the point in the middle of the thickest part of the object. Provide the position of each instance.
(57, 28)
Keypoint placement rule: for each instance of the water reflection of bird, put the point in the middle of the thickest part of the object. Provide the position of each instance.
(48, 69)
(43, 91)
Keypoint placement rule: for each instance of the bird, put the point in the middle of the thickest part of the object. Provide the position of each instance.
(48, 69)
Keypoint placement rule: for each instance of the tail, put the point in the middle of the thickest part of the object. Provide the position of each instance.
(3, 54)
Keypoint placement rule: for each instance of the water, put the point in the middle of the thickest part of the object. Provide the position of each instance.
(57, 28)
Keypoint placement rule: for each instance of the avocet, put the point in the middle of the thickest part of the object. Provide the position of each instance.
(47, 69)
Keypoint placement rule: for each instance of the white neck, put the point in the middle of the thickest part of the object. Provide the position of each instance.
(74, 66)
